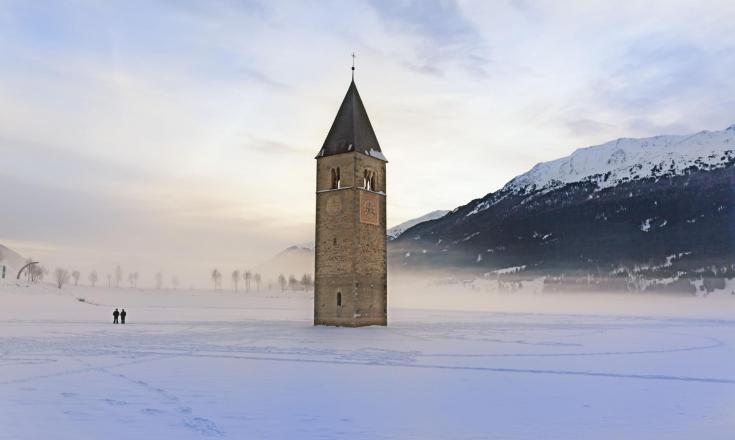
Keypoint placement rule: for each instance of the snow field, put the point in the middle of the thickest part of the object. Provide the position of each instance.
(198, 364)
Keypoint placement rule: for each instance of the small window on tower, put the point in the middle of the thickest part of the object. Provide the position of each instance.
(334, 241)
(368, 180)
(339, 298)
(335, 178)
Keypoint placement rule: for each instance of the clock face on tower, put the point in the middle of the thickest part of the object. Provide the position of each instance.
(334, 205)
(369, 208)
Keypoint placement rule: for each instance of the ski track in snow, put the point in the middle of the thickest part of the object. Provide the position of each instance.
(180, 345)
(189, 379)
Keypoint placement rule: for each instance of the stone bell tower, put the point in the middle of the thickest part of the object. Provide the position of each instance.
(351, 266)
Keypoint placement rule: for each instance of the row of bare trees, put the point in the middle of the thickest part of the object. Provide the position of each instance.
(305, 283)
(246, 275)
(63, 276)
(33, 272)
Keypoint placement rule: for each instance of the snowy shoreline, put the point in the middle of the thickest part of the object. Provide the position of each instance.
(198, 364)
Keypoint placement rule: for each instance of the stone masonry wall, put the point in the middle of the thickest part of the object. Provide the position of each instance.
(350, 255)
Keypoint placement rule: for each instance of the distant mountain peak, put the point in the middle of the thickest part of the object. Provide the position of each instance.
(10, 258)
(397, 230)
(626, 159)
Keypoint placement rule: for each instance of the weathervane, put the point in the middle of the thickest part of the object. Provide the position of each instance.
(353, 65)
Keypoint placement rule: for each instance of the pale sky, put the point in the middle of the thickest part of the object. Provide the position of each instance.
(181, 135)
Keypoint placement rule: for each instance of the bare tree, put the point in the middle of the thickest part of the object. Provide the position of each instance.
(93, 277)
(216, 277)
(175, 282)
(118, 275)
(62, 277)
(36, 273)
(247, 276)
(109, 280)
(306, 282)
(293, 283)
(258, 280)
(159, 280)
(282, 282)
(235, 278)
(136, 275)
(28, 274)
(131, 279)
(75, 276)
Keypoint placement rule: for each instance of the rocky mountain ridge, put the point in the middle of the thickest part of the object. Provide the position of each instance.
(631, 214)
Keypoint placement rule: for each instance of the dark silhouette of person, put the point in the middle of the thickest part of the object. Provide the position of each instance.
(115, 314)
(122, 316)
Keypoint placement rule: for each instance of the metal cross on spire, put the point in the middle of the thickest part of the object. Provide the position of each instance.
(353, 65)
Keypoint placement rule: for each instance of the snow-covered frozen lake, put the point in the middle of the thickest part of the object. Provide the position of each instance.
(196, 364)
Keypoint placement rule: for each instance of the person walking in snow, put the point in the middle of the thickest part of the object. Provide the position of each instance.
(122, 316)
(115, 314)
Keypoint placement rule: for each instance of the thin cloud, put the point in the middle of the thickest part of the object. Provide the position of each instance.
(262, 78)
(272, 147)
(445, 37)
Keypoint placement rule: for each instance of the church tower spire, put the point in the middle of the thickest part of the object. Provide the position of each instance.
(351, 129)
(350, 276)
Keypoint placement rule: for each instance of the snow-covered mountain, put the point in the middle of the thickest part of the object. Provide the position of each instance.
(395, 231)
(10, 258)
(294, 260)
(659, 207)
(627, 159)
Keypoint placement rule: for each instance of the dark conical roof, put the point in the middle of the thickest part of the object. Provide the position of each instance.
(351, 129)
